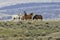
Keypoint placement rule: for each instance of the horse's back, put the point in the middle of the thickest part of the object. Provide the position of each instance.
(38, 17)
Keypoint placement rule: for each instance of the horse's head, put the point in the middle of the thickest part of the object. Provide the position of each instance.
(25, 13)
(31, 14)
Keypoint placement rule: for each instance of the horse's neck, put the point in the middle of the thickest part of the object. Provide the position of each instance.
(25, 14)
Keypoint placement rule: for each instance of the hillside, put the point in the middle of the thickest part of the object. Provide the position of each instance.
(28, 30)
(47, 10)
(22, 5)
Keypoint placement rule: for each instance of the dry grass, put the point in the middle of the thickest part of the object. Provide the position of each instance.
(35, 30)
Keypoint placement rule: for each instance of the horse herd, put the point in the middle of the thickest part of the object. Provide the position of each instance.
(28, 17)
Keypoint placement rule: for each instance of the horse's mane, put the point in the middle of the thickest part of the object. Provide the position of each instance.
(25, 13)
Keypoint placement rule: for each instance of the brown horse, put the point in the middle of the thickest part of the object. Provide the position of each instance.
(38, 17)
(27, 16)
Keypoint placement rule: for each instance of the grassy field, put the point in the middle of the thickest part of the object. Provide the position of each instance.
(29, 30)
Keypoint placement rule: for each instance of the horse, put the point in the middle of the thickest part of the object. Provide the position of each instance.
(26, 17)
(38, 17)
(16, 17)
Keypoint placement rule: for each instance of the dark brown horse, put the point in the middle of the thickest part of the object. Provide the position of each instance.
(38, 17)
(27, 16)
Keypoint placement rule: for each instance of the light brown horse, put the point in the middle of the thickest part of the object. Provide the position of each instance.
(26, 17)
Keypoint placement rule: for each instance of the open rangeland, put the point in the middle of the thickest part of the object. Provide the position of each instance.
(30, 30)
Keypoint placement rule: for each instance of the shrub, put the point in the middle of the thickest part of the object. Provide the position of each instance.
(27, 34)
(49, 38)
(29, 38)
(20, 38)
(57, 38)
(14, 35)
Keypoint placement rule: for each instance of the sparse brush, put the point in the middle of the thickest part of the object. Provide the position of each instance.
(28, 29)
